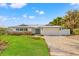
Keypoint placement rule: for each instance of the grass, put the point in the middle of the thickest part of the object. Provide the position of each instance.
(24, 46)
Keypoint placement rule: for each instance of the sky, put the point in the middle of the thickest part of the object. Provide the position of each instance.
(12, 14)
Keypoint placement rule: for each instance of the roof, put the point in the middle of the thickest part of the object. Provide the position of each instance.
(23, 25)
(53, 26)
(34, 26)
(48, 25)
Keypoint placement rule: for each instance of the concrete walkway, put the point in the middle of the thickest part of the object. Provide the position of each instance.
(62, 46)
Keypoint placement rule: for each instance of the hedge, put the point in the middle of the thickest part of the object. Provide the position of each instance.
(20, 33)
(76, 31)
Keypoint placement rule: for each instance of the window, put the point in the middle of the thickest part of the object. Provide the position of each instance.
(17, 29)
(21, 29)
(25, 29)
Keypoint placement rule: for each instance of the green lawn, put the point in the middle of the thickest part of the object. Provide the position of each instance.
(24, 46)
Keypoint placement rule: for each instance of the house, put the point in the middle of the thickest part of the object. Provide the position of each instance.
(40, 29)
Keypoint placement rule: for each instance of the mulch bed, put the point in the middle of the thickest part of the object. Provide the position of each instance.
(3, 45)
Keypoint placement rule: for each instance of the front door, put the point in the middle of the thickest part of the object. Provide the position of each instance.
(37, 31)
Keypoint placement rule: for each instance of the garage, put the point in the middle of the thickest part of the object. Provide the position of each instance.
(54, 30)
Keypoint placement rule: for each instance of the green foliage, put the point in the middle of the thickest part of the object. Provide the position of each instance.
(57, 21)
(70, 20)
(76, 31)
(3, 31)
(20, 33)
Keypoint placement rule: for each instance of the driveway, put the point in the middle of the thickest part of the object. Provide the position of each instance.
(62, 45)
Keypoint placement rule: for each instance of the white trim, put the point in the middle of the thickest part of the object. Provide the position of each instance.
(36, 26)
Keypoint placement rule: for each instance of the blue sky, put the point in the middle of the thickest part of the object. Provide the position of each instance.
(12, 14)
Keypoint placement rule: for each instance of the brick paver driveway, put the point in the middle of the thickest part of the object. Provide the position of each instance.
(62, 45)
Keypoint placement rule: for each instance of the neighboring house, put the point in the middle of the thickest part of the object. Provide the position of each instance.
(41, 29)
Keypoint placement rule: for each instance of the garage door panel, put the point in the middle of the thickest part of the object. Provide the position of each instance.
(52, 32)
(59, 32)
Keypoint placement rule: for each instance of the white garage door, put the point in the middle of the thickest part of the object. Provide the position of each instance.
(53, 32)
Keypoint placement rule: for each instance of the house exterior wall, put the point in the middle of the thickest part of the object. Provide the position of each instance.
(55, 31)
(29, 29)
(65, 32)
(14, 29)
(45, 30)
(33, 30)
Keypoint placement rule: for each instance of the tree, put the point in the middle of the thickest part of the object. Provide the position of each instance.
(57, 21)
(71, 19)
(2, 30)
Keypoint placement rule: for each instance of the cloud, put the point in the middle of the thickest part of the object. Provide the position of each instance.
(13, 5)
(27, 16)
(40, 12)
(37, 11)
(75, 5)
(3, 5)
(24, 16)
(3, 18)
(17, 5)
(13, 18)
(31, 17)
(6, 18)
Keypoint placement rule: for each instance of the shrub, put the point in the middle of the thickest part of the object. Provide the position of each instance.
(2, 31)
(20, 33)
(76, 31)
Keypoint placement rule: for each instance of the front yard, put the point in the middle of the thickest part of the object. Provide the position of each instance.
(24, 46)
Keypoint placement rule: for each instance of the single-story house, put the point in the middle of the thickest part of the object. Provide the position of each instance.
(41, 29)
